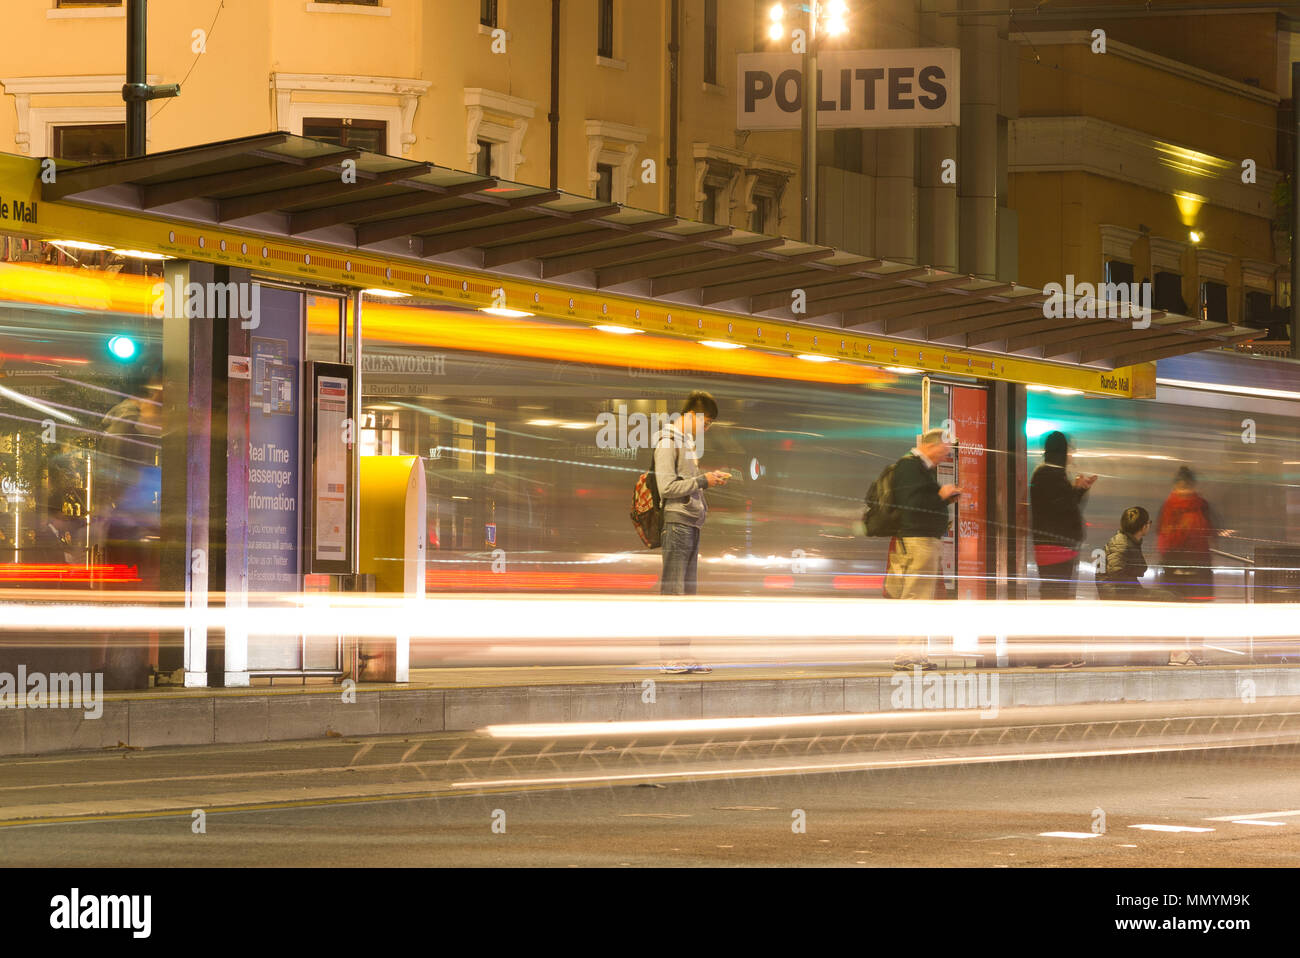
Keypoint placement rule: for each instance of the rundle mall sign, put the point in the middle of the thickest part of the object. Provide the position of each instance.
(855, 89)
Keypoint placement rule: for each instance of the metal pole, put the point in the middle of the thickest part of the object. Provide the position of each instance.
(357, 296)
(1295, 210)
(808, 127)
(136, 75)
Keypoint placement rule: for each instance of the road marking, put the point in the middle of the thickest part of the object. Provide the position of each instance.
(1069, 834)
(1239, 818)
(1254, 821)
(1171, 828)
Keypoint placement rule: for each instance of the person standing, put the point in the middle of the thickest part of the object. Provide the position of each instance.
(913, 566)
(681, 490)
(1056, 516)
(1183, 532)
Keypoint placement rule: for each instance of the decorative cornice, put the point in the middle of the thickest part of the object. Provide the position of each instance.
(1212, 264)
(1126, 51)
(1258, 274)
(1063, 144)
(1167, 254)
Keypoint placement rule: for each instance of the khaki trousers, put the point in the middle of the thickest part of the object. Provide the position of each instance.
(913, 573)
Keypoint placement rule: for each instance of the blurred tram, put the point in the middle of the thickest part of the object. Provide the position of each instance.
(533, 433)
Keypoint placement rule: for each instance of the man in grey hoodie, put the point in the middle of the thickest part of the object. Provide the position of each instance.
(681, 490)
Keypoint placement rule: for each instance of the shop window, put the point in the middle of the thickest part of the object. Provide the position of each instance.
(483, 161)
(709, 211)
(711, 41)
(90, 143)
(1119, 272)
(762, 215)
(1214, 301)
(604, 182)
(605, 29)
(368, 135)
(1259, 309)
(1168, 293)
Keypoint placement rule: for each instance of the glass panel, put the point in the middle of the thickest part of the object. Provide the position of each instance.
(533, 448)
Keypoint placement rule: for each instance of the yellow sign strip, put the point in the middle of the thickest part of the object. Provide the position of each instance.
(23, 212)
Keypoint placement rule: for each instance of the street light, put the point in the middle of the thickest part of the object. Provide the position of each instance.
(828, 17)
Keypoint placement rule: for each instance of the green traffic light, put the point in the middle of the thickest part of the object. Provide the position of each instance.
(123, 348)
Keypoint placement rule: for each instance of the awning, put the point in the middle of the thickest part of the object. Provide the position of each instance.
(322, 196)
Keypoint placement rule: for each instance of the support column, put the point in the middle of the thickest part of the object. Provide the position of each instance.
(186, 460)
(977, 171)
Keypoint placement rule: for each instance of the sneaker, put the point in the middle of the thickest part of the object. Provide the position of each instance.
(697, 668)
(926, 665)
(904, 665)
(675, 668)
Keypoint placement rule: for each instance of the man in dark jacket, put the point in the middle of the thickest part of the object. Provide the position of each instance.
(1056, 515)
(913, 569)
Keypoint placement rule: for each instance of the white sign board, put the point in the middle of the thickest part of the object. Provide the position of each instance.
(858, 89)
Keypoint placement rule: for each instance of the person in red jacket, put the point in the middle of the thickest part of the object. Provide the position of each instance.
(1183, 532)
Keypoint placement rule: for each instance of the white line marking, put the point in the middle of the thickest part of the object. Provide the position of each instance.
(1171, 828)
(1235, 818)
(1069, 834)
(1255, 821)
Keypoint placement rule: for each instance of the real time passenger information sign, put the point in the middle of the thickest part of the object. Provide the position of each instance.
(856, 89)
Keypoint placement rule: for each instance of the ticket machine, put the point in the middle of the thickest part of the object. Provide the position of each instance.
(392, 549)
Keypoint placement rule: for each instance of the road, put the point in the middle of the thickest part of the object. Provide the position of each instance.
(807, 798)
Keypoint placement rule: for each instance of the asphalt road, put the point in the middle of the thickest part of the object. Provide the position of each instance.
(467, 800)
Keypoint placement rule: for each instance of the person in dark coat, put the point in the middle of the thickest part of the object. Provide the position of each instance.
(913, 561)
(1056, 515)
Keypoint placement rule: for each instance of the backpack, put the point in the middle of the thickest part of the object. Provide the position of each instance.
(647, 509)
(882, 517)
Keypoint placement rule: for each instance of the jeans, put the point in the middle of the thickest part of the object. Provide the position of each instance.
(681, 545)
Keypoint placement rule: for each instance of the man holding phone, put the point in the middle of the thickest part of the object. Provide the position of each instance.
(681, 489)
(913, 571)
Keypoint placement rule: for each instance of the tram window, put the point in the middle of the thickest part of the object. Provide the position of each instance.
(368, 135)
(61, 4)
(1214, 301)
(487, 13)
(354, 3)
(92, 143)
(604, 182)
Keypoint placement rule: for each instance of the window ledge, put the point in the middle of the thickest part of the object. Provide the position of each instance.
(714, 89)
(610, 62)
(485, 31)
(348, 8)
(90, 13)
